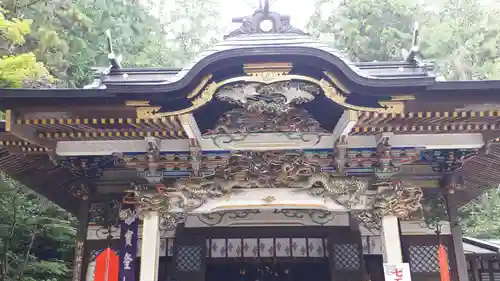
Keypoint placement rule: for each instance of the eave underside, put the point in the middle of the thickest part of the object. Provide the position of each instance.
(480, 174)
(25, 157)
(37, 172)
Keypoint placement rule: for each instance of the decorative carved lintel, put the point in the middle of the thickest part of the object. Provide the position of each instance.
(385, 168)
(320, 217)
(195, 152)
(448, 160)
(85, 166)
(216, 218)
(341, 155)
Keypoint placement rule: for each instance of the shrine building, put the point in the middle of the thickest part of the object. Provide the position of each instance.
(269, 157)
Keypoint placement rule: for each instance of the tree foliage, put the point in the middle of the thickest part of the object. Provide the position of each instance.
(45, 43)
(191, 29)
(70, 37)
(36, 237)
(17, 69)
(460, 36)
(480, 218)
(367, 30)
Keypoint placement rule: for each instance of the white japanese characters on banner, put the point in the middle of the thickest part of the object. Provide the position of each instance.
(397, 272)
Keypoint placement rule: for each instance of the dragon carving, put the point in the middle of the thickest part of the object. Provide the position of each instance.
(390, 199)
(163, 201)
(299, 171)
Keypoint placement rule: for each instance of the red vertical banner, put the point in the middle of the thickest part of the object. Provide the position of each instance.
(444, 267)
(106, 266)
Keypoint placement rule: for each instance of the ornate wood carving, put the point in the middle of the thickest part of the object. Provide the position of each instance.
(84, 169)
(267, 108)
(298, 170)
(216, 218)
(319, 217)
(261, 75)
(101, 213)
(448, 160)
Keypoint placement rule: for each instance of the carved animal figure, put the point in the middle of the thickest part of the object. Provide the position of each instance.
(399, 201)
(334, 186)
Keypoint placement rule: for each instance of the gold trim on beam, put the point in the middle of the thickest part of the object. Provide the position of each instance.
(137, 103)
(93, 121)
(255, 69)
(206, 96)
(337, 82)
(475, 128)
(200, 86)
(402, 98)
(26, 133)
(8, 120)
(436, 114)
(263, 77)
(331, 92)
(12, 143)
(30, 149)
(394, 106)
(178, 134)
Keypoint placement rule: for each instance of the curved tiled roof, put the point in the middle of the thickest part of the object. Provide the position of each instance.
(376, 74)
(260, 40)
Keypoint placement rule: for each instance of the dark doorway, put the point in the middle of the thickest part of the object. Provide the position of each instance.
(268, 271)
(374, 267)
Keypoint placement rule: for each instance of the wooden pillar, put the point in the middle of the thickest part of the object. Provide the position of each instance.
(391, 240)
(356, 235)
(474, 268)
(456, 235)
(331, 256)
(80, 261)
(150, 246)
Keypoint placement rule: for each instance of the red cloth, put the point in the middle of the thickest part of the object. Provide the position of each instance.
(444, 268)
(106, 266)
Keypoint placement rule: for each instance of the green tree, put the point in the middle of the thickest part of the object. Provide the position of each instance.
(18, 69)
(36, 236)
(463, 37)
(367, 30)
(460, 36)
(70, 35)
(480, 218)
(192, 27)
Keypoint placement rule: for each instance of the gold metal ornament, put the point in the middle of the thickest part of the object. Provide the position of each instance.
(267, 74)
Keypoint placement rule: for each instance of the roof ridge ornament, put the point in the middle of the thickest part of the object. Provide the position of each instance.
(114, 61)
(264, 7)
(414, 55)
(264, 21)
